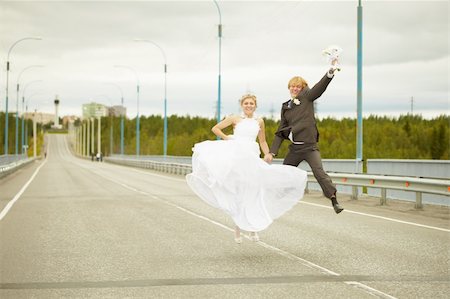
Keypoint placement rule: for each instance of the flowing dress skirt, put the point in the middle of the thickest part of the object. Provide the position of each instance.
(230, 175)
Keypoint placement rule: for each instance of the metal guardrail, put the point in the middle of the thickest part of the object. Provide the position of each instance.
(384, 182)
(8, 159)
(168, 167)
(10, 163)
(417, 185)
(157, 158)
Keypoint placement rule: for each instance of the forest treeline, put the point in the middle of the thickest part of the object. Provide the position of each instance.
(404, 137)
(28, 135)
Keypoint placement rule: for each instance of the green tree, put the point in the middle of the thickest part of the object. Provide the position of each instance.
(405, 137)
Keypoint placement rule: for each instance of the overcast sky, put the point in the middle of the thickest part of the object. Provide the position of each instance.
(264, 44)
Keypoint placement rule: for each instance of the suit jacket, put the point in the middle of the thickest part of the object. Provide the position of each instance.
(299, 119)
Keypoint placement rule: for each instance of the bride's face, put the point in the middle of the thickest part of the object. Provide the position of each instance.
(248, 106)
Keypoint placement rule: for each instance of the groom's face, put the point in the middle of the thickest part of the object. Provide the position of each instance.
(295, 90)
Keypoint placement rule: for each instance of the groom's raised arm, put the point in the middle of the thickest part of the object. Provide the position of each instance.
(320, 87)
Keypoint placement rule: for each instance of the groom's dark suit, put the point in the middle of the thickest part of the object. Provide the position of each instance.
(299, 120)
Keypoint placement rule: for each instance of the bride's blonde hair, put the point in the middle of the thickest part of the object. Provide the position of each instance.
(247, 96)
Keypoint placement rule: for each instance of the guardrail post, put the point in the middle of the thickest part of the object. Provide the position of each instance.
(418, 200)
(383, 196)
(354, 193)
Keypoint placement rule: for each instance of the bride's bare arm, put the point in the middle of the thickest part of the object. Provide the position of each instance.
(217, 129)
(262, 138)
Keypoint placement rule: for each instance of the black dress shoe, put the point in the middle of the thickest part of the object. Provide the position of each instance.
(337, 208)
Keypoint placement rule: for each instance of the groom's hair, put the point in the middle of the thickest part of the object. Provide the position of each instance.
(297, 81)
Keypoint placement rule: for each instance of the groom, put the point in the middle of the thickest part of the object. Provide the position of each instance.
(298, 124)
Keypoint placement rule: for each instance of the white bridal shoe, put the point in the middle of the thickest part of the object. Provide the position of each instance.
(254, 237)
(237, 235)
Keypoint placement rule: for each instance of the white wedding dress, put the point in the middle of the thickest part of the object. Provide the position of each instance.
(230, 175)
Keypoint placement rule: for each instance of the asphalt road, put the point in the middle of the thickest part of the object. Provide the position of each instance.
(72, 228)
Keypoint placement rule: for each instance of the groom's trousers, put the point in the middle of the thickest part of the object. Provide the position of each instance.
(311, 154)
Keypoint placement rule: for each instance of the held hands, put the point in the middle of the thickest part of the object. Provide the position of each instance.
(268, 158)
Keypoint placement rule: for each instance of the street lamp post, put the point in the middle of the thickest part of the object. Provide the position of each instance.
(137, 117)
(121, 117)
(92, 133)
(23, 99)
(7, 83)
(89, 151)
(25, 142)
(165, 91)
(34, 134)
(17, 110)
(111, 133)
(359, 127)
(220, 60)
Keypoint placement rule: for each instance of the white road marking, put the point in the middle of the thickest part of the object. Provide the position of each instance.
(305, 202)
(308, 203)
(277, 250)
(17, 196)
(22, 190)
(380, 217)
(369, 290)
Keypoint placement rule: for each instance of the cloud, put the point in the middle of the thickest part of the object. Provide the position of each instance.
(264, 44)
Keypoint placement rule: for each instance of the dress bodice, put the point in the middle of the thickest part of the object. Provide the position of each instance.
(246, 129)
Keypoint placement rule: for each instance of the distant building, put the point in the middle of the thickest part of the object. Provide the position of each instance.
(41, 117)
(94, 110)
(118, 110)
(69, 119)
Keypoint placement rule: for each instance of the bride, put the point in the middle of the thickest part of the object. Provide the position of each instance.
(230, 175)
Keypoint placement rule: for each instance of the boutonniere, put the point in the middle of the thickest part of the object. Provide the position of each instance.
(296, 101)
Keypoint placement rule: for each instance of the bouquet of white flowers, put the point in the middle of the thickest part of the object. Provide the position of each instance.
(332, 54)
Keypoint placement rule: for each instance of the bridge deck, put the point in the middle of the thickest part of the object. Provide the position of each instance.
(88, 229)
